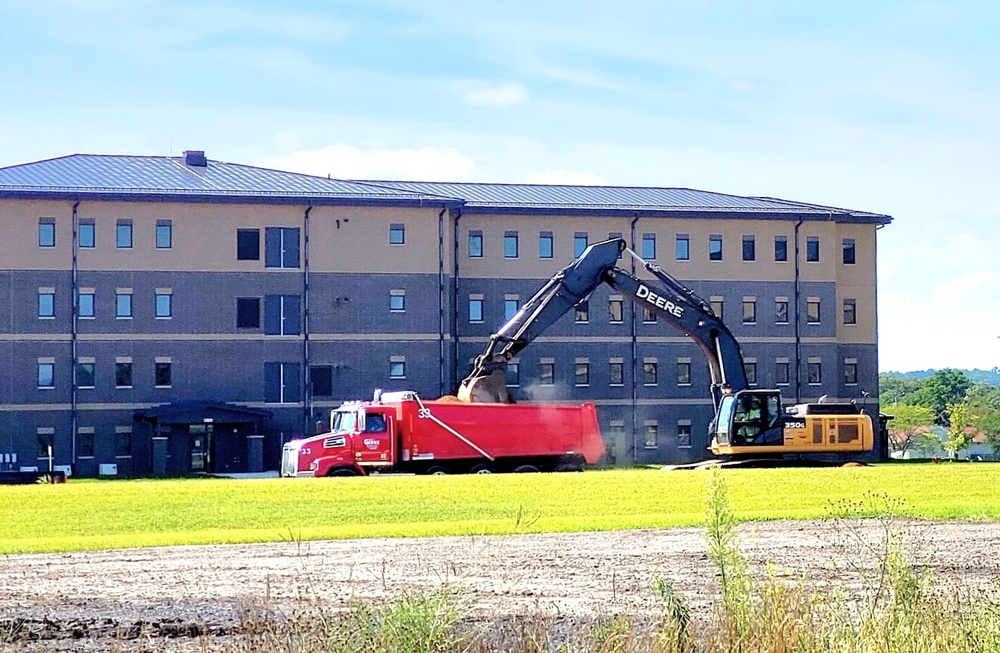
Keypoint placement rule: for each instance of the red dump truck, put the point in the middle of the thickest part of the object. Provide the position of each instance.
(399, 432)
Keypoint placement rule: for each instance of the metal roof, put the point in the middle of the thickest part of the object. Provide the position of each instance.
(168, 178)
(564, 198)
(143, 176)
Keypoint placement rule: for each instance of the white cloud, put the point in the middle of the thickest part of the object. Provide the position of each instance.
(502, 96)
(566, 177)
(347, 162)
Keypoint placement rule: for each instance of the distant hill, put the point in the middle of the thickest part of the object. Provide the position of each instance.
(991, 377)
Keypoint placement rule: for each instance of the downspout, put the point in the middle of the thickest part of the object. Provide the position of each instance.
(442, 305)
(73, 338)
(798, 336)
(454, 300)
(307, 395)
(883, 445)
(633, 340)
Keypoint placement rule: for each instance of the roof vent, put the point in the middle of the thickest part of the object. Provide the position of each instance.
(195, 158)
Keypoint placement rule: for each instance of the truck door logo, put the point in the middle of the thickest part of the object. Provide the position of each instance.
(372, 443)
(660, 302)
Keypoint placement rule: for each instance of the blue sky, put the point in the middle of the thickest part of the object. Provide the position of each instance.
(884, 106)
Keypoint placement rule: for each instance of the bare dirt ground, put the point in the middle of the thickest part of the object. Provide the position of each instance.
(180, 597)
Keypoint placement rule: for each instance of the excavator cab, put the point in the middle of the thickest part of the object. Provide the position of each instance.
(750, 417)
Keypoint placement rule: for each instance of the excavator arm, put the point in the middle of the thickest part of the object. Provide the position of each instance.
(666, 297)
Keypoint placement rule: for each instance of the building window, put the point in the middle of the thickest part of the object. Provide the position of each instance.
(397, 301)
(616, 312)
(123, 304)
(85, 375)
(46, 374)
(46, 303)
(718, 306)
(85, 442)
(545, 245)
(683, 373)
(850, 372)
(475, 244)
(649, 372)
(649, 246)
(85, 303)
(815, 372)
(750, 371)
(547, 372)
(513, 375)
(849, 252)
(749, 248)
(282, 315)
(248, 312)
(86, 238)
(683, 247)
(616, 372)
(652, 431)
(582, 312)
(510, 306)
(123, 442)
(123, 374)
(749, 310)
(683, 434)
(248, 244)
(812, 249)
(45, 442)
(781, 372)
(163, 374)
(579, 243)
(281, 247)
(397, 367)
(780, 248)
(510, 244)
(321, 380)
(850, 311)
(47, 232)
(282, 383)
(582, 372)
(812, 310)
(164, 304)
(648, 316)
(164, 234)
(397, 234)
(781, 311)
(715, 247)
(123, 234)
(475, 309)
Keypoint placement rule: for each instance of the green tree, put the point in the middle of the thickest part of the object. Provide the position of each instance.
(893, 389)
(905, 429)
(960, 418)
(942, 389)
(989, 424)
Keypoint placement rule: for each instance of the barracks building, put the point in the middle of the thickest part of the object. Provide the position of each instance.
(169, 315)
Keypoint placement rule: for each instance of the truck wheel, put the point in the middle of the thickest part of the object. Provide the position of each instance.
(526, 469)
(342, 471)
(482, 469)
(438, 470)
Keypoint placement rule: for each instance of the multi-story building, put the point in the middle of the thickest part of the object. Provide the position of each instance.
(176, 314)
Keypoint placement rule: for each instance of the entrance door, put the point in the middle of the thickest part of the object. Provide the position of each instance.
(201, 447)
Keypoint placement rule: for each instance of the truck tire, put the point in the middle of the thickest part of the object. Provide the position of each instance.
(342, 471)
(481, 469)
(438, 470)
(526, 469)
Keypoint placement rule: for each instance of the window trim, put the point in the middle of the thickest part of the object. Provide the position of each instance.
(49, 225)
(124, 227)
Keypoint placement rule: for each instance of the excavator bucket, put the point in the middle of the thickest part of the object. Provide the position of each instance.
(491, 389)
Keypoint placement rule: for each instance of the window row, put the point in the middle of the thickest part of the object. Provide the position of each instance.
(163, 303)
(648, 247)
(85, 373)
(283, 381)
(616, 310)
(650, 372)
(84, 442)
(86, 234)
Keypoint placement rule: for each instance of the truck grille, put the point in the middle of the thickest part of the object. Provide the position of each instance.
(289, 460)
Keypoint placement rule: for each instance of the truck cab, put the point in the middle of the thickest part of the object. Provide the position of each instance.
(361, 439)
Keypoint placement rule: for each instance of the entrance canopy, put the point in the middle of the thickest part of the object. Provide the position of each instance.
(202, 412)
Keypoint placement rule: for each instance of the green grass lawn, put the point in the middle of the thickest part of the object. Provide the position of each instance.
(110, 514)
